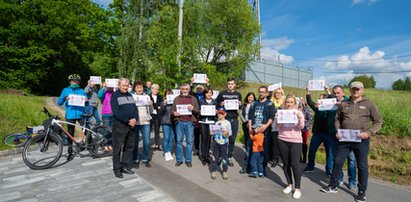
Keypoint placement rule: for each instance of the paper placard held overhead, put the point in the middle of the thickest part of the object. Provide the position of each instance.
(112, 83)
(327, 104)
(95, 79)
(176, 91)
(348, 135)
(316, 85)
(183, 109)
(76, 100)
(274, 86)
(200, 78)
(287, 116)
(170, 98)
(231, 104)
(208, 110)
(215, 94)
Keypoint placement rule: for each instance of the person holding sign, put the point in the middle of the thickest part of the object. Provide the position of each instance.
(168, 126)
(91, 92)
(355, 114)
(231, 96)
(278, 100)
(185, 123)
(143, 126)
(155, 121)
(104, 94)
(220, 145)
(208, 114)
(290, 144)
(73, 112)
(245, 111)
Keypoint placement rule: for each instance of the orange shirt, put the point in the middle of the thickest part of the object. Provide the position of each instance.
(258, 141)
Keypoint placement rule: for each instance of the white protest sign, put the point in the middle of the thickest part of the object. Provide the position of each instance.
(348, 135)
(112, 83)
(327, 104)
(200, 78)
(183, 109)
(316, 84)
(95, 79)
(215, 94)
(287, 116)
(170, 98)
(208, 110)
(142, 100)
(76, 100)
(216, 129)
(176, 91)
(231, 104)
(274, 86)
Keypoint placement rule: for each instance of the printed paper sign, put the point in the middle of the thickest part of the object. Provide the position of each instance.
(231, 104)
(216, 129)
(215, 94)
(316, 84)
(208, 110)
(95, 79)
(287, 116)
(76, 100)
(200, 78)
(274, 86)
(112, 83)
(170, 98)
(176, 91)
(348, 135)
(142, 100)
(183, 109)
(327, 104)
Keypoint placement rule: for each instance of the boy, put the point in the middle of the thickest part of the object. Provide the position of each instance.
(220, 145)
(257, 157)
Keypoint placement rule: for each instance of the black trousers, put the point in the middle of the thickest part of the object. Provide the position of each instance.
(155, 125)
(275, 152)
(205, 141)
(123, 146)
(290, 155)
(197, 138)
(71, 129)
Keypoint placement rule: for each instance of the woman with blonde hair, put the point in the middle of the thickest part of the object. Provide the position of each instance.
(278, 99)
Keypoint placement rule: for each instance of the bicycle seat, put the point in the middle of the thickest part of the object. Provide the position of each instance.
(87, 115)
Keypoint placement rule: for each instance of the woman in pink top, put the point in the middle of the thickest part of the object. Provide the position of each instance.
(290, 145)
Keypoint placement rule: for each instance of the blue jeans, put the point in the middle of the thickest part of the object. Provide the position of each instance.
(247, 153)
(184, 129)
(351, 167)
(257, 159)
(108, 120)
(168, 139)
(145, 133)
(96, 114)
(315, 142)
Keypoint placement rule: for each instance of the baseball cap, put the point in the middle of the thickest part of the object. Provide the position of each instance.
(220, 112)
(356, 84)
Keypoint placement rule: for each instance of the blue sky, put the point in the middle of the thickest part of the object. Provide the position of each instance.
(338, 38)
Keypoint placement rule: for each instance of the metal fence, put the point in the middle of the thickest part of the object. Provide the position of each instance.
(270, 73)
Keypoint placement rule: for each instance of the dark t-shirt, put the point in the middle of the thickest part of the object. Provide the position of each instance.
(225, 95)
(261, 112)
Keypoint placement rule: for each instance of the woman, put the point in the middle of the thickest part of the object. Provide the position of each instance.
(168, 126)
(305, 131)
(290, 144)
(278, 100)
(248, 101)
(104, 94)
(155, 121)
(143, 126)
(205, 121)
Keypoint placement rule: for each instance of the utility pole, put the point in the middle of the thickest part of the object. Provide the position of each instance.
(256, 8)
(180, 34)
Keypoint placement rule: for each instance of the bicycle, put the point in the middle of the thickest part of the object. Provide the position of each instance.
(44, 150)
(19, 139)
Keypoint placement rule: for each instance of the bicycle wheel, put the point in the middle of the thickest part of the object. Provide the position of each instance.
(42, 151)
(16, 139)
(97, 142)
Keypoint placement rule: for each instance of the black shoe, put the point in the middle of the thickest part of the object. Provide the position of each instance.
(329, 189)
(178, 164)
(189, 165)
(360, 197)
(147, 164)
(204, 162)
(242, 171)
(158, 148)
(230, 163)
(127, 171)
(70, 157)
(274, 164)
(136, 165)
(118, 174)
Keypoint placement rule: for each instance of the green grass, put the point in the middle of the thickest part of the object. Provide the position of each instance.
(17, 112)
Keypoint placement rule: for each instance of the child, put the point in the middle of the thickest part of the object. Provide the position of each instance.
(257, 157)
(220, 146)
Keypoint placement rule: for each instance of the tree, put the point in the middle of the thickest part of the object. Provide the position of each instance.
(398, 85)
(368, 81)
(407, 84)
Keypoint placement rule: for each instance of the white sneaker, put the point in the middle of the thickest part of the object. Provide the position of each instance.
(166, 157)
(297, 195)
(288, 190)
(170, 156)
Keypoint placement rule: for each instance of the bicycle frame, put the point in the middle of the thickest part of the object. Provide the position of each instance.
(60, 123)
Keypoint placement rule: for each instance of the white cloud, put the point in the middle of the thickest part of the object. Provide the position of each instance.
(271, 50)
(369, 2)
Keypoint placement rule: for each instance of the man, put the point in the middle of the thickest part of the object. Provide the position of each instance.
(185, 124)
(73, 113)
(260, 117)
(232, 115)
(338, 93)
(91, 92)
(147, 89)
(125, 115)
(355, 114)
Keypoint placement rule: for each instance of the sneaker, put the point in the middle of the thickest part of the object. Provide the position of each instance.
(297, 195)
(213, 175)
(360, 197)
(253, 174)
(170, 156)
(166, 157)
(352, 186)
(308, 170)
(340, 183)
(225, 176)
(261, 175)
(230, 162)
(243, 171)
(329, 189)
(288, 189)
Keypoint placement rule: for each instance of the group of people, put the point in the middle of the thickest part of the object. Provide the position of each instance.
(266, 139)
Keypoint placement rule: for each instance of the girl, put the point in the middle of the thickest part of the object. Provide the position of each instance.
(168, 126)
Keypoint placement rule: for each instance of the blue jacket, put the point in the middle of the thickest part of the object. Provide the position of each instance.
(72, 112)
